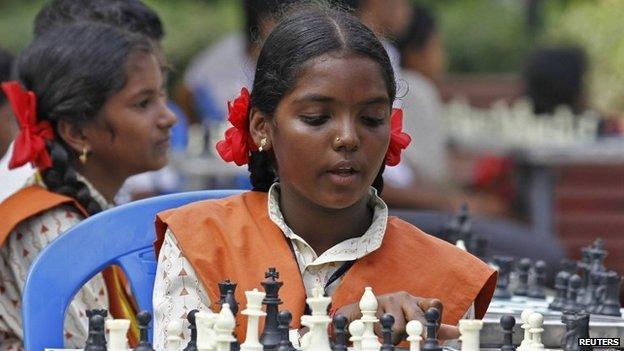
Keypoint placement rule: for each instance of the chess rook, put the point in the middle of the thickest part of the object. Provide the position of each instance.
(470, 329)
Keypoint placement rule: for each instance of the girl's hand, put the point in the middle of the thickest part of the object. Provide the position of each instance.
(404, 307)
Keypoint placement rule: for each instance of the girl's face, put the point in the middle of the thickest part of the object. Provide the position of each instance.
(331, 133)
(132, 132)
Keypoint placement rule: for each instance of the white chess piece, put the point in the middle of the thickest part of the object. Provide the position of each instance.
(414, 330)
(204, 322)
(224, 327)
(536, 320)
(461, 245)
(253, 313)
(470, 331)
(117, 330)
(368, 307)
(174, 329)
(318, 321)
(526, 342)
(356, 329)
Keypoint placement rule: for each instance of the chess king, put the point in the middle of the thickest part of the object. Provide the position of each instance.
(316, 131)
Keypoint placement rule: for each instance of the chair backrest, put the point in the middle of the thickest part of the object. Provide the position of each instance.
(120, 236)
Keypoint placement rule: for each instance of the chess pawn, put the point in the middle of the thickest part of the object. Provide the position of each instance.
(356, 329)
(414, 331)
(253, 313)
(507, 323)
(192, 344)
(340, 324)
(368, 307)
(573, 286)
(526, 341)
(117, 330)
(561, 286)
(386, 321)
(523, 277)
(611, 303)
(470, 329)
(536, 320)
(204, 324)
(537, 290)
(432, 316)
(502, 284)
(174, 330)
(284, 318)
(144, 318)
(224, 327)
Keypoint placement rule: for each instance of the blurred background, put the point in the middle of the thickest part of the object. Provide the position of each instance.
(516, 108)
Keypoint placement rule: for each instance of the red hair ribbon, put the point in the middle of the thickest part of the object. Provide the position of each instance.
(238, 142)
(29, 145)
(398, 139)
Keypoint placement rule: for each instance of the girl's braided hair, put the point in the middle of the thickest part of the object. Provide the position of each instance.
(73, 70)
(306, 33)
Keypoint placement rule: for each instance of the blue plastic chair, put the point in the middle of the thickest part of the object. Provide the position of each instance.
(121, 236)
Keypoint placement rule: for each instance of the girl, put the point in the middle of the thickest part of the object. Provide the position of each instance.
(317, 131)
(91, 110)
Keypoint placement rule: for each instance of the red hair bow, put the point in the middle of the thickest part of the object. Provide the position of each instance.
(238, 142)
(398, 139)
(29, 145)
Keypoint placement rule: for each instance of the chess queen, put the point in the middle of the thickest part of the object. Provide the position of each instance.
(91, 114)
(316, 131)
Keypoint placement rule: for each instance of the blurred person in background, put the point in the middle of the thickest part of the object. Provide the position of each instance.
(425, 180)
(554, 77)
(133, 16)
(13, 180)
(216, 74)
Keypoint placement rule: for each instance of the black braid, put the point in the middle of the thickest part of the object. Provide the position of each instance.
(261, 171)
(378, 182)
(62, 179)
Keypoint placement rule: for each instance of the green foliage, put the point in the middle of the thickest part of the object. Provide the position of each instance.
(482, 35)
(597, 27)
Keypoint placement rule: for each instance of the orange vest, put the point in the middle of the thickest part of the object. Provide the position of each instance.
(34, 200)
(234, 238)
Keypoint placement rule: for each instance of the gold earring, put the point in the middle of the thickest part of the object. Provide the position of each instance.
(263, 143)
(83, 155)
(337, 140)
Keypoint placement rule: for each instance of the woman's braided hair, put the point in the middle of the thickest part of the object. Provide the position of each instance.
(306, 33)
(73, 70)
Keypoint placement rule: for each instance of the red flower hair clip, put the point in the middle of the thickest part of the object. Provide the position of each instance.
(398, 139)
(238, 143)
(29, 145)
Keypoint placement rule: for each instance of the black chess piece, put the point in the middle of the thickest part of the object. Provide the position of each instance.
(284, 318)
(432, 315)
(523, 277)
(584, 266)
(611, 302)
(507, 322)
(271, 336)
(460, 227)
(480, 247)
(598, 255)
(192, 344)
(537, 290)
(570, 305)
(583, 328)
(569, 341)
(569, 265)
(591, 299)
(97, 338)
(90, 340)
(504, 264)
(340, 334)
(386, 321)
(144, 318)
(561, 286)
(224, 287)
(231, 301)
